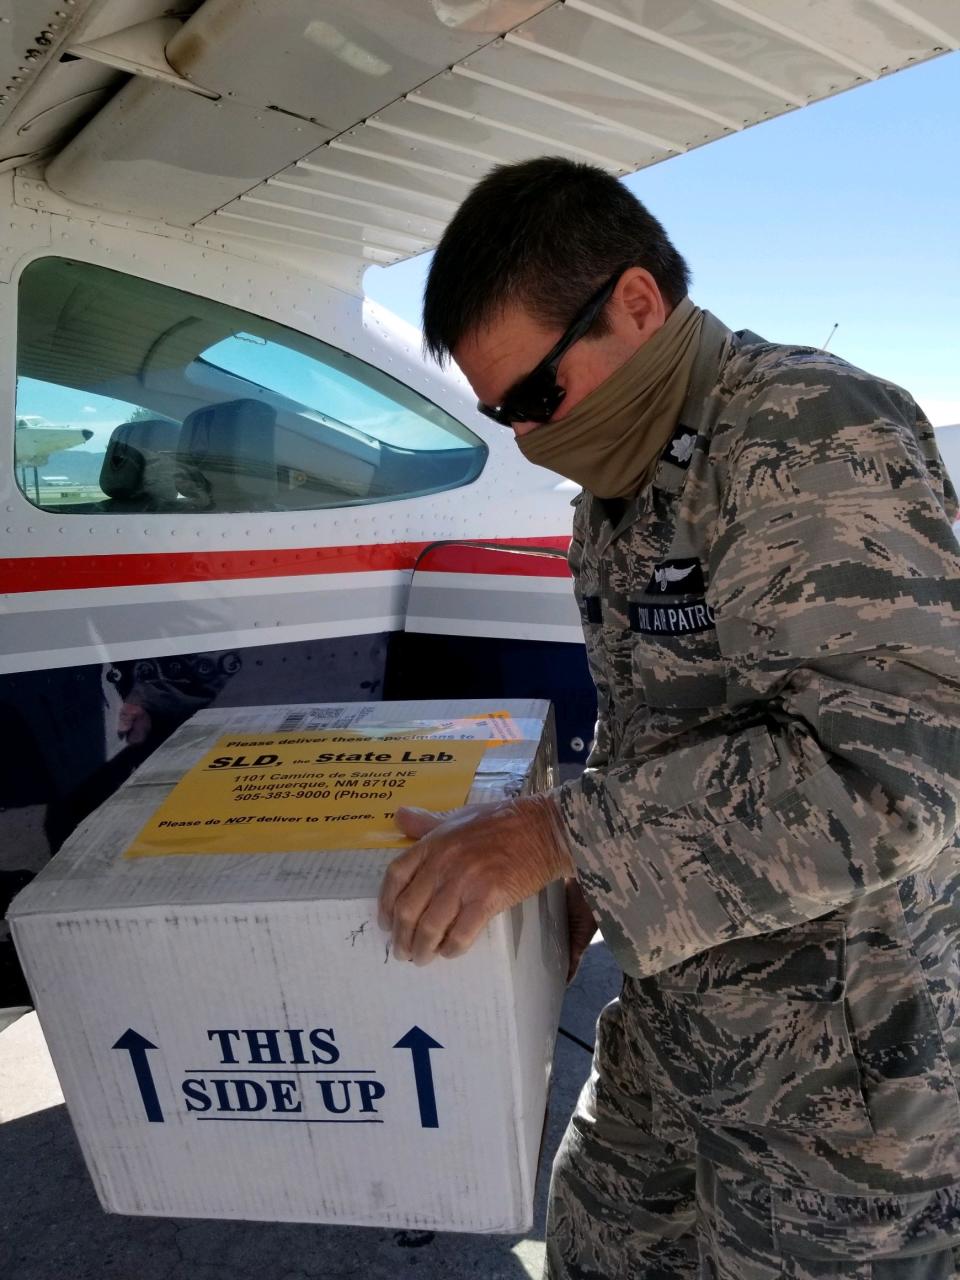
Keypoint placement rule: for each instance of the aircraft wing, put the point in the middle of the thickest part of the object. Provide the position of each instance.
(348, 133)
(34, 445)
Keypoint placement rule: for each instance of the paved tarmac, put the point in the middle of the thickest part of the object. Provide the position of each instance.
(52, 1227)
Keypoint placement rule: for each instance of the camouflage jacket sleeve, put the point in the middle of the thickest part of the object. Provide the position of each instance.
(600, 753)
(836, 771)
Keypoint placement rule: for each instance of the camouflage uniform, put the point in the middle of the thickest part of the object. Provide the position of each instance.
(767, 832)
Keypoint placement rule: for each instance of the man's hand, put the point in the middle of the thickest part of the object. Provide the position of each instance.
(133, 723)
(466, 868)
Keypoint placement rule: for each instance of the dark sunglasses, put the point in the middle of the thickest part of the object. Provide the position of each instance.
(537, 397)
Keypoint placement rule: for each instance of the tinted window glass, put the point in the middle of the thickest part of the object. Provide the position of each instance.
(132, 396)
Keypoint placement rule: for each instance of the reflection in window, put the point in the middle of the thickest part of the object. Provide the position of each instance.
(132, 396)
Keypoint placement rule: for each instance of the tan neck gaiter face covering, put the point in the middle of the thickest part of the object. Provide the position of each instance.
(611, 440)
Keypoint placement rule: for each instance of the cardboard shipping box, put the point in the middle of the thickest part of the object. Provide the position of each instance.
(234, 1038)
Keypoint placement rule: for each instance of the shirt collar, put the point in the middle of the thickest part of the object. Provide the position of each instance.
(671, 472)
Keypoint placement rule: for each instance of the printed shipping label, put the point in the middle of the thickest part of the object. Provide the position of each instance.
(281, 793)
(496, 728)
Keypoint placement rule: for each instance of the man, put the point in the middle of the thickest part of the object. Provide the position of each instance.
(767, 827)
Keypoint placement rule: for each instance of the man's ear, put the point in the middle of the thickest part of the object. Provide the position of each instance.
(639, 302)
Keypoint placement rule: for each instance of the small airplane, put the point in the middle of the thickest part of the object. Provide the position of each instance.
(36, 440)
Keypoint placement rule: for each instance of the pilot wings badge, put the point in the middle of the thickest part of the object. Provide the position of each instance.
(680, 577)
(663, 577)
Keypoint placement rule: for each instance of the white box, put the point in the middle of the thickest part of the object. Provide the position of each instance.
(151, 975)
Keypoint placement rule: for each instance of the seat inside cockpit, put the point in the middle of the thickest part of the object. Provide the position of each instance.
(184, 405)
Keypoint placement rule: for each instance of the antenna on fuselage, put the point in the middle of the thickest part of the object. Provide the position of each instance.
(830, 336)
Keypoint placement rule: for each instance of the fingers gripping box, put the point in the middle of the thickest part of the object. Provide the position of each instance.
(233, 1037)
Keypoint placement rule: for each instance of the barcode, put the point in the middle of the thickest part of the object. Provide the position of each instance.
(293, 721)
(331, 717)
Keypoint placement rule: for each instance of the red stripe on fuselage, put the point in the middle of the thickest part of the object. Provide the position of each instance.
(73, 573)
(501, 560)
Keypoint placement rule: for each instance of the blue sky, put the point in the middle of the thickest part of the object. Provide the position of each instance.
(847, 210)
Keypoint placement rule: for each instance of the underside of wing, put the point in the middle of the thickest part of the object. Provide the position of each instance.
(348, 134)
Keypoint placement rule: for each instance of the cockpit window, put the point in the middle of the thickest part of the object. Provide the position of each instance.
(132, 396)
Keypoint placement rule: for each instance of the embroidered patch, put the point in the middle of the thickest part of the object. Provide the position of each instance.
(677, 578)
(671, 620)
(590, 610)
(680, 449)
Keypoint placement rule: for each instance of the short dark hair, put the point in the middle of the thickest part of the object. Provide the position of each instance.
(546, 234)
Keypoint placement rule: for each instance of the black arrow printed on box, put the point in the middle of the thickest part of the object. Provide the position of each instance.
(137, 1045)
(420, 1044)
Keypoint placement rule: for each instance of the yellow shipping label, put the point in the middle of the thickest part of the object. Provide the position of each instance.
(287, 793)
